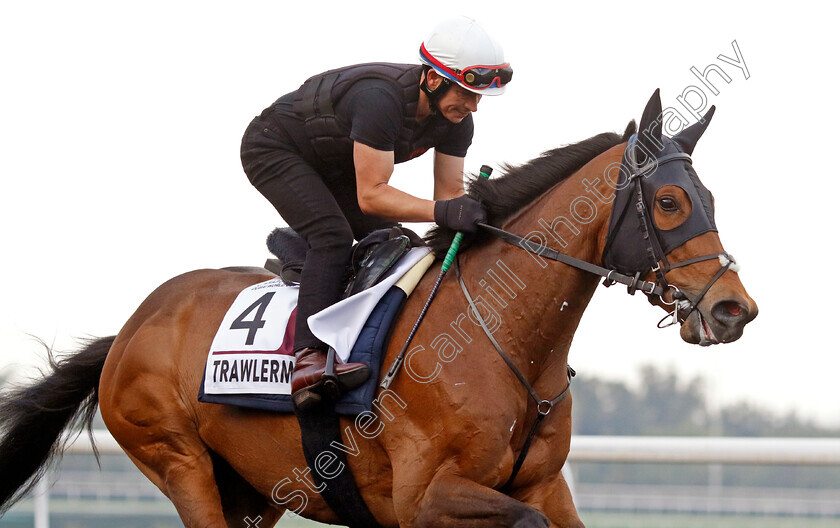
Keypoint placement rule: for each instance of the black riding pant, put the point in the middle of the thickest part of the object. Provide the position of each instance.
(322, 209)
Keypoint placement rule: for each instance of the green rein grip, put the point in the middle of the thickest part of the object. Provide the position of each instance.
(484, 172)
(453, 249)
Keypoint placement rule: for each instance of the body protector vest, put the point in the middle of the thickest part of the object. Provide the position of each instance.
(316, 99)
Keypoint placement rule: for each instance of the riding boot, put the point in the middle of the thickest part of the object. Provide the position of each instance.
(310, 386)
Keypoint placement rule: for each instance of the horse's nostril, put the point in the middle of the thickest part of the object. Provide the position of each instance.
(733, 308)
(729, 312)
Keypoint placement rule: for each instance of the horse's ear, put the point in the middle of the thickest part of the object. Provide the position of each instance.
(629, 131)
(650, 129)
(687, 139)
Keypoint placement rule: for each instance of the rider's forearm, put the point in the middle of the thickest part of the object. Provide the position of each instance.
(390, 203)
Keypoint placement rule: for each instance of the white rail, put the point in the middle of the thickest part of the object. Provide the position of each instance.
(652, 449)
(705, 450)
(105, 443)
(635, 449)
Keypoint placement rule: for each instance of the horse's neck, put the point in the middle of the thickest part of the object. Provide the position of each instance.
(539, 302)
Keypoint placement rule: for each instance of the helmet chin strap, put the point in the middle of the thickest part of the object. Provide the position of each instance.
(435, 95)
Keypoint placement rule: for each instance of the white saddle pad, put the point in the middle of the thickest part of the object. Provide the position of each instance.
(252, 352)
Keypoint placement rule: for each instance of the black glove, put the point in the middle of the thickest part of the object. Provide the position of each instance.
(460, 214)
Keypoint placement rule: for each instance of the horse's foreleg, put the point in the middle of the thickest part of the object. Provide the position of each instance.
(242, 504)
(554, 499)
(452, 501)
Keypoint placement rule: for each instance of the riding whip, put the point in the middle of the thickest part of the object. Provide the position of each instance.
(484, 172)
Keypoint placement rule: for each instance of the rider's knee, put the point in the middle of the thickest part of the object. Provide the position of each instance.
(336, 237)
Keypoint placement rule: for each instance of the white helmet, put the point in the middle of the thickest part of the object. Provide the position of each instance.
(461, 51)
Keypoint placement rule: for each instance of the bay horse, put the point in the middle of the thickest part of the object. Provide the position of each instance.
(443, 439)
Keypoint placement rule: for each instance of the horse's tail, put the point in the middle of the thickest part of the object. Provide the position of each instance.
(32, 418)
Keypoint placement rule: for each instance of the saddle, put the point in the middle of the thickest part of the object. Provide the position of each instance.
(371, 260)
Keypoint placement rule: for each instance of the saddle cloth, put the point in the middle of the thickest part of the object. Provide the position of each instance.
(250, 360)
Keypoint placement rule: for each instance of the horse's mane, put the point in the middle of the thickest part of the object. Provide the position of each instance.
(520, 185)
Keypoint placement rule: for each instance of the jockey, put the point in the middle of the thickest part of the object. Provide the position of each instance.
(323, 156)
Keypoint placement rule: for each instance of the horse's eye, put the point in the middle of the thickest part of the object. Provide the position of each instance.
(669, 204)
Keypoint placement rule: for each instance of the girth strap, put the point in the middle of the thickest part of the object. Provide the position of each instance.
(320, 433)
(543, 406)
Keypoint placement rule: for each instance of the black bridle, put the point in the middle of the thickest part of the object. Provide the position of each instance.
(657, 260)
(656, 290)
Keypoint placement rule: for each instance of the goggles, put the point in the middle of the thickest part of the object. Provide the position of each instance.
(478, 77)
(487, 76)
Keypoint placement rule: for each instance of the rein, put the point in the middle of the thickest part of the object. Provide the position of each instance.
(633, 283)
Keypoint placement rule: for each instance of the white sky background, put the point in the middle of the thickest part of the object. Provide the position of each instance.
(120, 125)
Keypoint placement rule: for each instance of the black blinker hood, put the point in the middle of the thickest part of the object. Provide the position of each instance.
(627, 249)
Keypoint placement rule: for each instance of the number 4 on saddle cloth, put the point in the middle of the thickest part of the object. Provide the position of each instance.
(251, 359)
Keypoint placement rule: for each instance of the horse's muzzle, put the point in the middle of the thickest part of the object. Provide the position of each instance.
(723, 323)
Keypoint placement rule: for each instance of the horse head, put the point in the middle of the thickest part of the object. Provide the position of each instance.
(662, 227)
